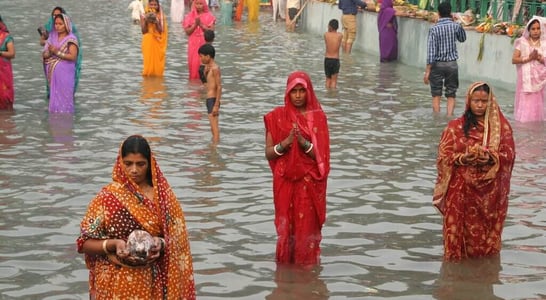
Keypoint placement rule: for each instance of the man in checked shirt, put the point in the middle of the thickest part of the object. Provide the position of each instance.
(442, 69)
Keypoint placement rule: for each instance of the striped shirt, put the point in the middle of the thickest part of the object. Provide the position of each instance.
(442, 38)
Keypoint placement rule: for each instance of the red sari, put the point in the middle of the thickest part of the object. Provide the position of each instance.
(474, 199)
(7, 93)
(114, 213)
(299, 182)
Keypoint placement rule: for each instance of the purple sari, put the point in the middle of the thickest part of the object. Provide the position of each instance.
(61, 73)
(388, 30)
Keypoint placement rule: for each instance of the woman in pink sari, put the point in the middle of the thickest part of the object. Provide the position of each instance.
(7, 53)
(528, 56)
(60, 54)
(195, 23)
(298, 151)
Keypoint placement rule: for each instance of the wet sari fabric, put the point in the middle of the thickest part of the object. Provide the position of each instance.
(7, 92)
(197, 38)
(299, 182)
(114, 213)
(154, 46)
(474, 199)
(61, 73)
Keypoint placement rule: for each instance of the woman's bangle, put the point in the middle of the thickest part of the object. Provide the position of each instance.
(162, 240)
(105, 247)
(280, 151)
(309, 148)
(460, 160)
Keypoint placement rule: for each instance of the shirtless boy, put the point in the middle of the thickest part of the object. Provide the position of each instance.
(214, 87)
(332, 40)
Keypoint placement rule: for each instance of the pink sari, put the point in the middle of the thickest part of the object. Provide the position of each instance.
(7, 94)
(196, 39)
(531, 80)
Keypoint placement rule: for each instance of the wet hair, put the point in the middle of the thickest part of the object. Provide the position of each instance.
(334, 24)
(531, 24)
(137, 144)
(470, 120)
(207, 49)
(209, 36)
(444, 9)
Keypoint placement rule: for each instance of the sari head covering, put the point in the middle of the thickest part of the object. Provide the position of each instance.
(307, 124)
(495, 127)
(171, 276)
(299, 180)
(7, 92)
(533, 73)
(473, 198)
(386, 13)
(71, 28)
(197, 38)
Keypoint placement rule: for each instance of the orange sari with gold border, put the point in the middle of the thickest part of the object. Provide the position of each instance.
(114, 213)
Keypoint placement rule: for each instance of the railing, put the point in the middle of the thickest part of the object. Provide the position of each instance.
(504, 8)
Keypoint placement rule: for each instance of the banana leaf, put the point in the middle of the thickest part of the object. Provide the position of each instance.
(480, 52)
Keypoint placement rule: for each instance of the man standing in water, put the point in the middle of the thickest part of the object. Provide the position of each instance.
(214, 88)
(442, 69)
(349, 9)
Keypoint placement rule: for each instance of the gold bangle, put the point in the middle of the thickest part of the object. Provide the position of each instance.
(104, 247)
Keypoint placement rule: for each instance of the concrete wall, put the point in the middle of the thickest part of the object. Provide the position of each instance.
(495, 67)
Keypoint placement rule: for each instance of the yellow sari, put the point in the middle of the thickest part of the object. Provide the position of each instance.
(154, 46)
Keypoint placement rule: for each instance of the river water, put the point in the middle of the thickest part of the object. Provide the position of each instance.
(382, 238)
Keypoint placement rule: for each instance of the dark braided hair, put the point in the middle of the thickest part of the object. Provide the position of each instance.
(470, 119)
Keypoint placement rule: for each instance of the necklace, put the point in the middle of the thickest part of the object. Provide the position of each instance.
(535, 43)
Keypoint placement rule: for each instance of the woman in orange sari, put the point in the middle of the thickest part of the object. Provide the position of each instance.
(7, 53)
(298, 151)
(475, 159)
(154, 39)
(139, 198)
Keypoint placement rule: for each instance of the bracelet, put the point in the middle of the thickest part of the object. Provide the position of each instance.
(309, 149)
(104, 247)
(279, 153)
(460, 160)
(162, 243)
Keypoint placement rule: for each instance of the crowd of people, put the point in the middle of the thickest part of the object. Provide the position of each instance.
(476, 151)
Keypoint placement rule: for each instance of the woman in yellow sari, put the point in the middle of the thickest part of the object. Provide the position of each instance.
(253, 10)
(154, 39)
(139, 198)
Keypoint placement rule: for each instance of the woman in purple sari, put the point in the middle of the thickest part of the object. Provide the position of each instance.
(60, 54)
(195, 23)
(388, 30)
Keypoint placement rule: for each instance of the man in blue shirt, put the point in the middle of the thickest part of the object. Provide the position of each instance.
(442, 69)
(349, 9)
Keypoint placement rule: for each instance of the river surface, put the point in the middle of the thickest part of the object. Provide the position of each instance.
(382, 238)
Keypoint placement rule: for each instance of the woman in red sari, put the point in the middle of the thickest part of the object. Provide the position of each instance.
(475, 160)
(298, 151)
(195, 23)
(7, 53)
(139, 198)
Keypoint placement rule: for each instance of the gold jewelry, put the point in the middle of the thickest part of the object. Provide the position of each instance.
(105, 247)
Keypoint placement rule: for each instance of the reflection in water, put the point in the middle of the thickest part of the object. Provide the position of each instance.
(61, 128)
(471, 279)
(8, 130)
(153, 92)
(298, 283)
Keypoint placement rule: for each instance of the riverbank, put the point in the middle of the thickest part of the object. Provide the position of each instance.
(495, 67)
